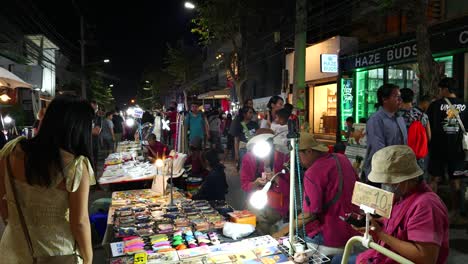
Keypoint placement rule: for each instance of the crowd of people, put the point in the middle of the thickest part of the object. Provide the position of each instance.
(41, 190)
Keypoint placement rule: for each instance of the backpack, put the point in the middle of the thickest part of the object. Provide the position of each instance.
(417, 139)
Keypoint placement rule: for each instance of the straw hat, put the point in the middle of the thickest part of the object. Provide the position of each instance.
(308, 141)
(394, 164)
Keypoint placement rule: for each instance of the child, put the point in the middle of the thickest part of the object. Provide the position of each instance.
(280, 127)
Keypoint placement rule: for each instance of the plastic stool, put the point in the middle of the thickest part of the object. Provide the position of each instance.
(99, 221)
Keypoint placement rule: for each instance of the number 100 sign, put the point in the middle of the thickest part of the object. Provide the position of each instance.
(379, 200)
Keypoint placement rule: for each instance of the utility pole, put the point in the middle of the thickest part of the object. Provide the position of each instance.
(300, 54)
(82, 44)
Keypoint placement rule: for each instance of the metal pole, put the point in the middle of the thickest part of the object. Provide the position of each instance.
(300, 54)
(292, 183)
(82, 44)
(172, 185)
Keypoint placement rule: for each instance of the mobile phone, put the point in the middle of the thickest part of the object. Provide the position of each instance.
(354, 219)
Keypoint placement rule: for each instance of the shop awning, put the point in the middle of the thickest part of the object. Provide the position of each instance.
(217, 94)
(9, 80)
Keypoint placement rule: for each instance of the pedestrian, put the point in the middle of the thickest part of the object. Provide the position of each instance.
(44, 183)
(274, 104)
(328, 188)
(118, 122)
(249, 103)
(96, 132)
(107, 134)
(243, 129)
(214, 123)
(446, 148)
(229, 137)
(196, 123)
(349, 129)
(280, 128)
(255, 173)
(418, 227)
(385, 128)
(424, 102)
(171, 115)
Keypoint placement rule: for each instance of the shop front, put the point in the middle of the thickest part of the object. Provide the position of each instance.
(396, 62)
(321, 90)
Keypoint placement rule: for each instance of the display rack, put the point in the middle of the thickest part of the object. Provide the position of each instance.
(316, 258)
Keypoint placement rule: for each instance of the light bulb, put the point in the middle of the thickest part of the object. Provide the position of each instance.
(261, 149)
(130, 111)
(159, 163)
(7, 120)
(259, 199)
(130, 122)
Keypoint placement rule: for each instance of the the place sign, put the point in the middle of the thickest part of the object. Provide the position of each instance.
(379, 200)
(405, 50)
(329, 63)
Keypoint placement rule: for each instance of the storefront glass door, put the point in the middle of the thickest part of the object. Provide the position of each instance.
(322, 116)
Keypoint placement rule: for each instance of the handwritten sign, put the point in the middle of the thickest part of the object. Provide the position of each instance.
(373, 197)
(140, 258)
(117, 249)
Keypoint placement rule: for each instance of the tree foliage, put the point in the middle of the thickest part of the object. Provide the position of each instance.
(99, 91)
(416, 12)
(183, 64)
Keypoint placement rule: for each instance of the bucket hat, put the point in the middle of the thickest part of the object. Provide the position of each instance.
(308, 141)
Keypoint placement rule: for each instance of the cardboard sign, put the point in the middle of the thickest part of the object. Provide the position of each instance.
(140, 258)
(373, 197)
(117, 249)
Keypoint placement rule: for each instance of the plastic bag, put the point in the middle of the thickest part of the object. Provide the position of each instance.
(236, 231)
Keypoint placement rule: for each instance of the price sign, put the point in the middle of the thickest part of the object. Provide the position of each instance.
(117, 249)
(140, 258)
(379, 200)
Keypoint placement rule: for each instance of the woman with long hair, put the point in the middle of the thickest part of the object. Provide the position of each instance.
(45, 182)
(243, 129)
(276, 103)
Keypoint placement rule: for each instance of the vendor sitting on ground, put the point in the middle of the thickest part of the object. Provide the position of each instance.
(155, 148)
(195, 158)
(215, 186)
(418, 228)
(328, 189)
(275, 214)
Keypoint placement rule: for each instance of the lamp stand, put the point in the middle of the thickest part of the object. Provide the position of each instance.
(292, 187)
(172, 185)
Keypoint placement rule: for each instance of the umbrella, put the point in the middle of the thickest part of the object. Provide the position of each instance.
(8, 79)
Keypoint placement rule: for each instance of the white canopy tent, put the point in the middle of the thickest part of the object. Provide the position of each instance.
(10, 80)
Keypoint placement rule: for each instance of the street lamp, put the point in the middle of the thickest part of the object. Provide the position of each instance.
(106, 60)
(7, 119)
(111, 85)
(189, 5)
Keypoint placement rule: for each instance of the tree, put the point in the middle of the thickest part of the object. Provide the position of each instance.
(155, 84)
(416, 13)
(221, 21)
(98, 91)
(183, 63)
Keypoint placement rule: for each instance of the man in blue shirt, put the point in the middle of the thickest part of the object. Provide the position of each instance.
(385, 127)
(197, 124)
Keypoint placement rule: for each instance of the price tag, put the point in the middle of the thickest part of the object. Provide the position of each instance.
(379, 200)
(140, 258)
(117, 249)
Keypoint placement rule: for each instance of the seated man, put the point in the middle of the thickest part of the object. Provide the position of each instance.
(155, 148)
(418, 228)
(328, 189)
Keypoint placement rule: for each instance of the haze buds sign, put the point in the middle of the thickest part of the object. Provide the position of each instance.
(329, 63)
(379, 200)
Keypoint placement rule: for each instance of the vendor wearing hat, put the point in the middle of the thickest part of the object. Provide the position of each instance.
(255, 173)
(418, 227)
(328, 188)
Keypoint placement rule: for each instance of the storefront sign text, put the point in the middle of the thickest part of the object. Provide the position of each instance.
(329, 63)
(406, 50)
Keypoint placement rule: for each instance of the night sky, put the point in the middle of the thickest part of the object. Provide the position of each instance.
(132, 34)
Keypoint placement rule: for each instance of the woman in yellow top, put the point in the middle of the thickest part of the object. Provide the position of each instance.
(52, 175)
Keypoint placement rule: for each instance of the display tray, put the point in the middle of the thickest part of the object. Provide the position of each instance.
(316, 258)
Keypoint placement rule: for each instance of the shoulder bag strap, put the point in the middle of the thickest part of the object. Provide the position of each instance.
(340, 184)
(18, 207)
(458, 115)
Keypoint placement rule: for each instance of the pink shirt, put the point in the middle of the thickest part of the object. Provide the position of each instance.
(251, 169)
(321, 183)
(425, 220)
